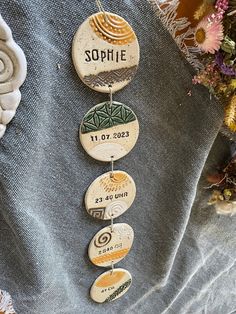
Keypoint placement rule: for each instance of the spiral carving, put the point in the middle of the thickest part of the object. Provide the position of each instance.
(6, 67)
(103, 239)
(13, 70)
(115, 209)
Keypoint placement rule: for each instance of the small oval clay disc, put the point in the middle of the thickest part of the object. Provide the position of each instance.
(105, 52)
(109, 131)
(110, 195)
(111, 285)
(111, 246)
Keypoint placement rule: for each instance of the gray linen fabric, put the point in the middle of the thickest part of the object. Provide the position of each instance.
(182, 260)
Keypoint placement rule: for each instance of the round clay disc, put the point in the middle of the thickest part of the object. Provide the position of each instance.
(110, 246)
(105, 51)
(110, 195)
(111, 285)
(109, 131)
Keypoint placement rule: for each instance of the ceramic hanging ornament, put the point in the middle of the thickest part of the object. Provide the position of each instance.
(13, 70)
(111, 244)
(111, 285)
(105, 52)
(110, 195)
(109, 130)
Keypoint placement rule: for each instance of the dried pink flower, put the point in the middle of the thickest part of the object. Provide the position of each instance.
(209, 35)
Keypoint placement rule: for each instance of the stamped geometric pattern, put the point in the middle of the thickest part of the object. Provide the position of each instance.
(119, 291)
(98, 212)
(110, 256)
(106, 115)
(106, 78)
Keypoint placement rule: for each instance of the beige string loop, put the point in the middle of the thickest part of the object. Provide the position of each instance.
(112, 167)
(111, 94)
(112, 223)
(112, 267)
(101, 9)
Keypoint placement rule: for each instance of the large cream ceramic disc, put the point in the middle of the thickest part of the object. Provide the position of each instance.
(109, 131)
(110, 195)
(111, 246)
(111, 285)
(105, 52)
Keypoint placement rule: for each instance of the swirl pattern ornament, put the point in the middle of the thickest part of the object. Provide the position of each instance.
(109, 196)
(105, 51)
(115, 209)
(6, 67)
(111, 286)
(111, 244)
(13, 69)
(103, 239)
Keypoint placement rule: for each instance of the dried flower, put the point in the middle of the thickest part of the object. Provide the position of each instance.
(232, 8)
(233, 84)
(209, 35)
(224, 189)
(222, 5)
(225, 208)
(215, 197)
(209, 77)
(230, 114)
(228, 45)
(225, 69)
(204, 9)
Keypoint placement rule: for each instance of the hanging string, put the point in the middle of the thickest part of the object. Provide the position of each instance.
(112, 223)
(101, 9)
(111, 96)
(112, 267)
(112, 167)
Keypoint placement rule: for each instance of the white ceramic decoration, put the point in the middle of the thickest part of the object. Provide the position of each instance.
(105, 52)
(111, 285)
(111, 245)
(110, 195)
(109, 131)
(13, 70)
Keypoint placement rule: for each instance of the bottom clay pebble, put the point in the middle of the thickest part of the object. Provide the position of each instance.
(111, 285)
